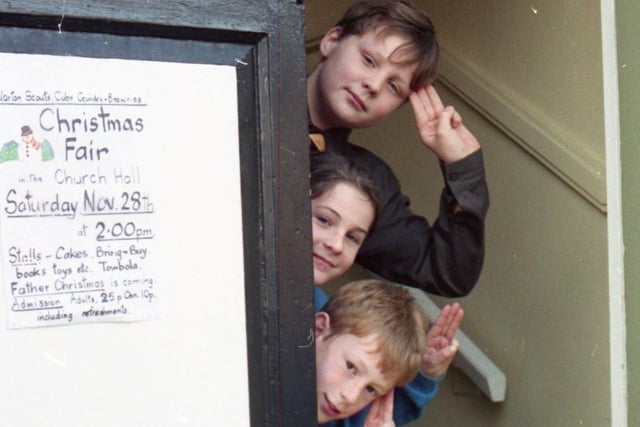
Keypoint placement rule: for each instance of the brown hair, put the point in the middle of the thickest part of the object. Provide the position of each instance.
(402, 18)
(329, 168)
(391, 313)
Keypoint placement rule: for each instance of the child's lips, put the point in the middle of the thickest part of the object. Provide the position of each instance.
(322, 262)
(331, 409)
(356, 101)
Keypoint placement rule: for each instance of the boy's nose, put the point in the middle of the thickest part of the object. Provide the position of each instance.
(373, 83)
(351, 393)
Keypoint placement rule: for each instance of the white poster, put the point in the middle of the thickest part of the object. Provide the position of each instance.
(121, 252)
(86, 146)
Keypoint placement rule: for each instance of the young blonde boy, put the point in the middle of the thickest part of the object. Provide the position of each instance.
(371, 337)
(379, 55)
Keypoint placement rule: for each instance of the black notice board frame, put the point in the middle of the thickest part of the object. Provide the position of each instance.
(264, 41)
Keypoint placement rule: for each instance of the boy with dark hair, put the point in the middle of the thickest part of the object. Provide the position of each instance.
(381, 53)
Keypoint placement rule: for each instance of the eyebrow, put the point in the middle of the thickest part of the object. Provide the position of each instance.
(378, 57)
(336, 213)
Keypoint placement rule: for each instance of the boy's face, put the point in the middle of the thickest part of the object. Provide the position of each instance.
(348, 376)
(340, 218)
(357, 83)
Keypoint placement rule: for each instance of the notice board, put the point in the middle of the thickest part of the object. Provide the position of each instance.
(141, 247)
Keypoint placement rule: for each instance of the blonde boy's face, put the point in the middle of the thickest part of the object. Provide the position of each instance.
(357, 83)
(348, 375)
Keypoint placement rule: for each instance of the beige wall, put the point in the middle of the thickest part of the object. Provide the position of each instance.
(531, 82)
(628, 15)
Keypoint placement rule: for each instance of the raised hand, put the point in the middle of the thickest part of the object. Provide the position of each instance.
(381, 412)
(440, 128)
(442, 345)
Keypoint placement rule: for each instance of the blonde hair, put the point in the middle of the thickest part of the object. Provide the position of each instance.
(391, 313)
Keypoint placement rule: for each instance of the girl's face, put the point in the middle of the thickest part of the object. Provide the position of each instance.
(341, 219)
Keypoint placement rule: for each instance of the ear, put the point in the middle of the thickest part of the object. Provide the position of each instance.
(329, 41)
(323, 324)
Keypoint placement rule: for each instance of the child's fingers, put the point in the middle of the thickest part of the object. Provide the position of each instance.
(455, 344)
(373, 416)
(387, 408)
(381, 412)
(448, 322)
(431, 101)
(456, 120)
(456, 321)
(422, 108)
(418, 109)
(444, 121)
(439, 343)
(376, 409)
(448, 352)
(434, 99)
(437, 328)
